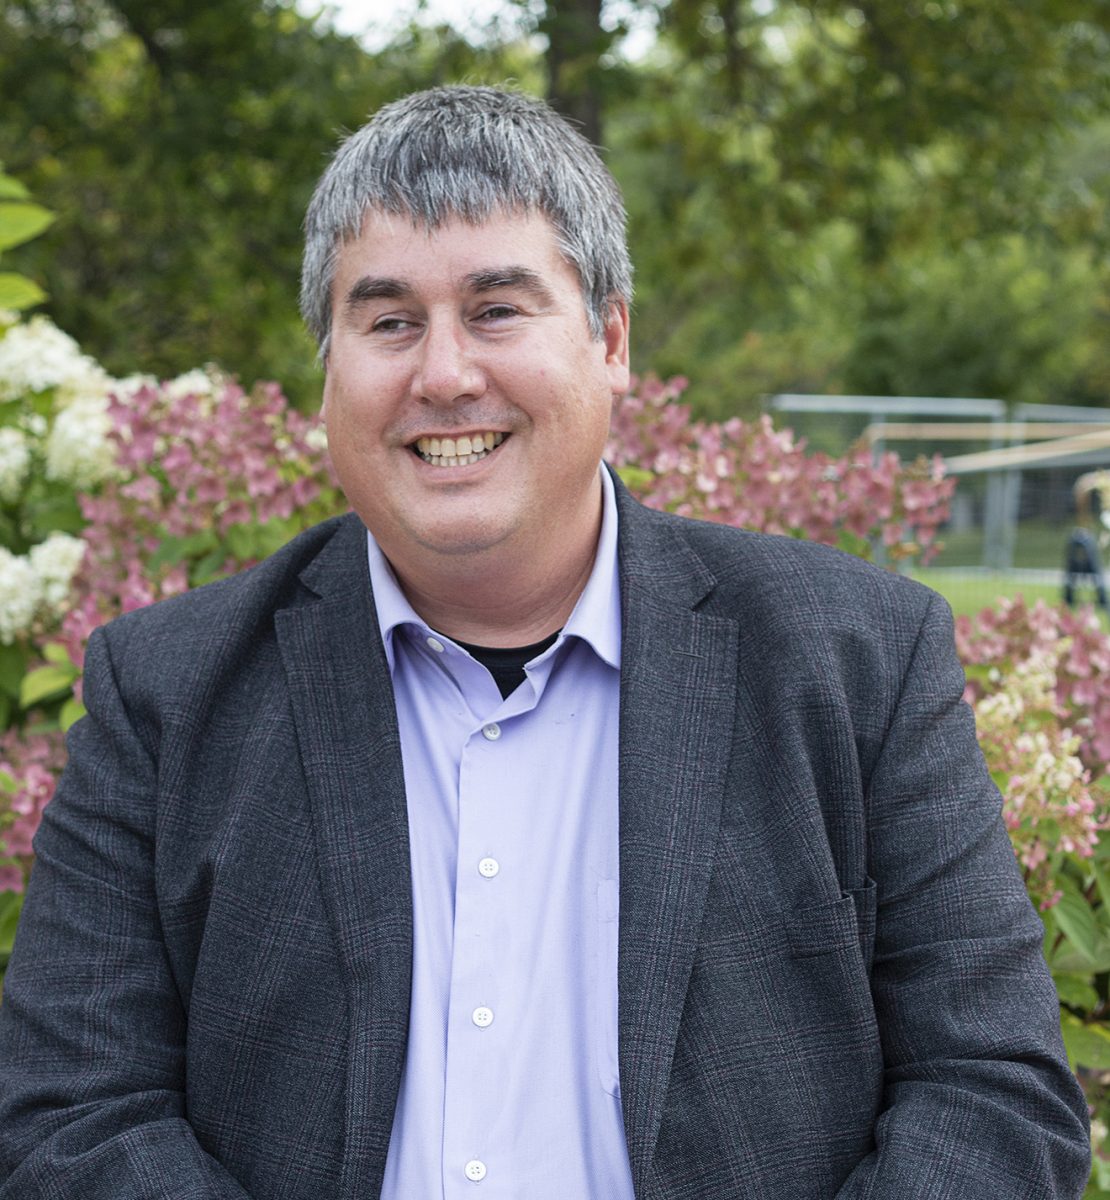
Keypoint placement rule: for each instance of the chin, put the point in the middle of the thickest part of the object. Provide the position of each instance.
(458, 540)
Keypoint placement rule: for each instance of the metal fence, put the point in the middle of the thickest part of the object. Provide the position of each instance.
(1015, 525)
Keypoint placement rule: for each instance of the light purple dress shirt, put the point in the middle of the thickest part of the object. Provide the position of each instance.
(510, 1088)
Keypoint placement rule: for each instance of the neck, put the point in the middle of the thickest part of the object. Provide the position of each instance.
(504, 596)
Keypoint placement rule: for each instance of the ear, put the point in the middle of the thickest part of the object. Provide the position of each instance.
(616, 346)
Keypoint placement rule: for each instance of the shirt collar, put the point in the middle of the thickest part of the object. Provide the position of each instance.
(595, 619)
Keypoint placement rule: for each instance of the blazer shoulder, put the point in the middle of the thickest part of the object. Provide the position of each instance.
(772, 575)
(240, 607)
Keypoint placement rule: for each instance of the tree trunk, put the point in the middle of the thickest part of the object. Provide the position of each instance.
(575, 44)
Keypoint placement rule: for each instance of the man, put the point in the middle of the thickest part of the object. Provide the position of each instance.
(532, 845)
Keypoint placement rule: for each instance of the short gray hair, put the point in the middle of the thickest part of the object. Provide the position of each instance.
(469, 152)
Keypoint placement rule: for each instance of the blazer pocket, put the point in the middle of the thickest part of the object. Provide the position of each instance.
(835, 925)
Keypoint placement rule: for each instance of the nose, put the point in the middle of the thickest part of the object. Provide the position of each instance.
(447, 369)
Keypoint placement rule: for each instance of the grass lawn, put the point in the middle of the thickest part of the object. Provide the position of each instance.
(969, 591)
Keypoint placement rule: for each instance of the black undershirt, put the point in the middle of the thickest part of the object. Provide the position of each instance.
(506, 664)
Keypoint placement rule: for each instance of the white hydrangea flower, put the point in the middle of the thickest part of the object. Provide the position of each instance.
(127, 387)
(15, 460)
(78, 450)
(38, 355)
(19, 596)
(199, 382)
(316, 438)
(55, 562)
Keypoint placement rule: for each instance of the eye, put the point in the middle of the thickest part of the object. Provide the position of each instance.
(497, 312)
(391, 325)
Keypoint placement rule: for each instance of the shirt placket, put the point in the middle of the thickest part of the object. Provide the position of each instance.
(480, 1020)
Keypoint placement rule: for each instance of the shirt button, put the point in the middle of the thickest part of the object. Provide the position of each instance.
(482, 1017)
(475, 1170)
(491, 732)
(489, 867)
(435, 644)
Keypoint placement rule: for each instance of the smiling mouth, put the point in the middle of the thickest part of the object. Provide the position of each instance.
(457, 452)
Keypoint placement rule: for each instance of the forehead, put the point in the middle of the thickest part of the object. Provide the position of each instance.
(400, 247)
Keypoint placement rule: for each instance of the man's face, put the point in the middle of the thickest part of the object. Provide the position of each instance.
(469, 334)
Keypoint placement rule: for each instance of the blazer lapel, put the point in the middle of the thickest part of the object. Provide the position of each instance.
(678, 706)
(350, 750)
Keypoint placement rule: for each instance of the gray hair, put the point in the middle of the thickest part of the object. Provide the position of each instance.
(469, 152)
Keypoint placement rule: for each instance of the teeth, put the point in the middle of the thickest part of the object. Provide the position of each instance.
(457, 452)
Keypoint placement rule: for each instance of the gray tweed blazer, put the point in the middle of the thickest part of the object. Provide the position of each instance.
(830, 978)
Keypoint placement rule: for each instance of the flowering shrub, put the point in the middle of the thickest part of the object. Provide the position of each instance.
(208, 480)
(167, 485)
(1075, 643)
(1039, 679)
(759, 477)
(28, 783)
(1050, 807)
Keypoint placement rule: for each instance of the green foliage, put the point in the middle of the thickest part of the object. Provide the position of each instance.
(11, 904)
(179, 143)
(20, 221)
(1005, 317)
(808, 183)
(820, 193)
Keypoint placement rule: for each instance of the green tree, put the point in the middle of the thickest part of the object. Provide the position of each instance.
(179, 142)
(788, 163)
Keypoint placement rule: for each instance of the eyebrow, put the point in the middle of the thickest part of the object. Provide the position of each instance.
(510, 277)
(383, 287)
(375, 287)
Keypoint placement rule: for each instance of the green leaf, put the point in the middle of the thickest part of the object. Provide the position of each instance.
(60, 515)
(1102, 877)
(18, 292)
(72, 712)
(46, 683)
(208, 568)
(13, 666)
(1075, 990)
(852, 543)
(21, 221)
(1087, 1045)
(173, 550)
(1074, 917)
(241, 542)
(55, 652)
(634, 478)
(12, 189)
(11, 903)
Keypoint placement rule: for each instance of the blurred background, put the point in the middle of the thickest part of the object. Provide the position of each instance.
(885, 198)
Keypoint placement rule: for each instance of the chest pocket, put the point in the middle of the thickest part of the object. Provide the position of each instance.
(837, 924)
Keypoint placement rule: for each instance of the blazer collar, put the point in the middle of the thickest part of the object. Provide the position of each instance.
(350, 750)
(678, 710)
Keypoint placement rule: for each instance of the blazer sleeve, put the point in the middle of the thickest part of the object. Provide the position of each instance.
(978, 1098)
(92, 1028)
